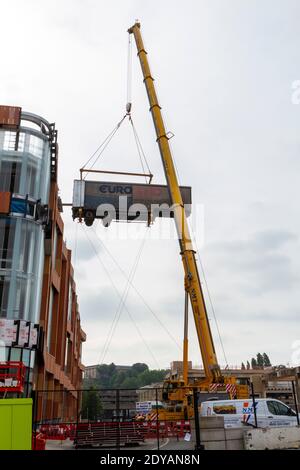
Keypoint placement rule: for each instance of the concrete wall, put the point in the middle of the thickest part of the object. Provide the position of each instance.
(272, 438)
(214, 437)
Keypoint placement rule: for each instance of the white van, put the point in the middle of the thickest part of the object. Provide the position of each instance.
(238, 413)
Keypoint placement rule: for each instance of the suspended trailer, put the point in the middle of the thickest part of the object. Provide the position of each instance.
(124, 201)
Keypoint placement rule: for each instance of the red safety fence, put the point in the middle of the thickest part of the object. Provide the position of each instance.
(58, 432)
(165, 429)
(127, 431)
(38, 441)
(12, 376)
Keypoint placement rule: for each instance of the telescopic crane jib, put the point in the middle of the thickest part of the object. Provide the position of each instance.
(193, 287)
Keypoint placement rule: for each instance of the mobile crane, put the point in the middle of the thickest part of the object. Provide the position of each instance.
(179, 391)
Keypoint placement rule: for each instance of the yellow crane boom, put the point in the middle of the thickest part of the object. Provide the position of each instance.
(192, 280)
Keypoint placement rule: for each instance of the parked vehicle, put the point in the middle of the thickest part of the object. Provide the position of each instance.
(238, 413)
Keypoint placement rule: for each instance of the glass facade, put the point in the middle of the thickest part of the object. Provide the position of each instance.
(25, 173)
(21, 264)
(25, 166)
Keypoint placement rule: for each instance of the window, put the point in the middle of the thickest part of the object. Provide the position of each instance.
(278, 409)
(15, 354)
(31, 180)
(20, 304)
(57, 260)
(54, 246)
(20, 266)
(21, 143)
(49, 325)
(24, 164)
(68, 354)
(9, 140)
(10, 176)
(13, 141)
(4, 290)
(26, 357)
(3, 352)
(36, 146)
(7, 236)
(70, 302)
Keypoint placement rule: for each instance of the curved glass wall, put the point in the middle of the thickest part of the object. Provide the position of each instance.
(25, 163)
(24, 171)
(21, 265)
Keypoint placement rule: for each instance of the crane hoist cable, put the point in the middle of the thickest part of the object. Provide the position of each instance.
(103, 145)
(129, 72)
(139, 148)
(122, 304)
(122, 301)
(139, 294)
(119, 311)
(99, 151)
(121, 297)
(107, 141)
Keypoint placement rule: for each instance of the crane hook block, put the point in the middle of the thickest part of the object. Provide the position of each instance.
(128, 108)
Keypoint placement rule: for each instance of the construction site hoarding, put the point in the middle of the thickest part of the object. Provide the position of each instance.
(124, 201)
(16, 424)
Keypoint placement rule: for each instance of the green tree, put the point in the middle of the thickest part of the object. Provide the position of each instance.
(130, 382)
(266, 360)
(260, 360)
(248, 365)
(253, 363)
(139, 367)
(118, 379)
(139, 375)
(105, 373)
(91, 405)
(243, 366)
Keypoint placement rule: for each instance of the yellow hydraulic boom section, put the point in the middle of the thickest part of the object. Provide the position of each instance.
(192, 281)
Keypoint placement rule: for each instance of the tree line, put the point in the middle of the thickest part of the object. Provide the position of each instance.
(261, 361)
(138, 375)
(110, 376)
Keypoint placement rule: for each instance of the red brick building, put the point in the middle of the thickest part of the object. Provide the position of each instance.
(61, 369)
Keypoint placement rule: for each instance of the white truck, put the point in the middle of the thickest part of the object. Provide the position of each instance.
(238, 413)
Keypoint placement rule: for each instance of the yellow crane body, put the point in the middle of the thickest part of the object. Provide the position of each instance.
(192, 280)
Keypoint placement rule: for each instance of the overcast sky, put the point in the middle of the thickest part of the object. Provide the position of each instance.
(224, 72)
